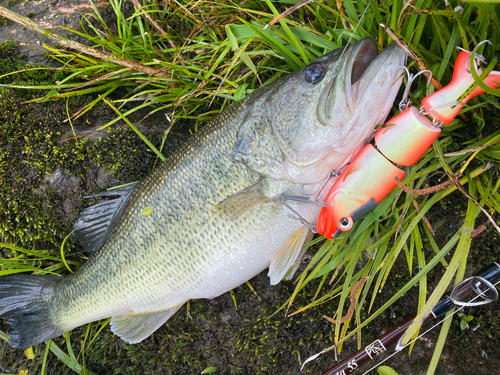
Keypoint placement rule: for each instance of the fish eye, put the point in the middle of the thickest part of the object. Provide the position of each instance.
(313, 73)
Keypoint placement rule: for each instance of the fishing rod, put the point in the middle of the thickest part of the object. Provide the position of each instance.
(475, 291)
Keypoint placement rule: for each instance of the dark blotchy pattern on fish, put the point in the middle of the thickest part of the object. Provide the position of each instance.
(182, 200)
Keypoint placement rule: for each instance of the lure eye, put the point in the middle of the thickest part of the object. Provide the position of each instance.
(314, 73)
(345, 224)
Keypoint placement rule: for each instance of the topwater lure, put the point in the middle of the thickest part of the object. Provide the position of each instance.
(372, 173)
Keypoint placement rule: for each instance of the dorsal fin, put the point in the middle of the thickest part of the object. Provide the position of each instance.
(96, 222)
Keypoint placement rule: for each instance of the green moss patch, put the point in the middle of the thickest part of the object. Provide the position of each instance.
(44, 169)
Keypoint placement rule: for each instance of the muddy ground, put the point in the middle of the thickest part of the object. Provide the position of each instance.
(244, 338)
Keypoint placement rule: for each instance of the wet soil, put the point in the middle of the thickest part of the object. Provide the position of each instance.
(239, 333)
(51, 14)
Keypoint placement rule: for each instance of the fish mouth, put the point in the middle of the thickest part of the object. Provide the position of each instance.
(357, 95)
(386, 67)
(364, 56)
(362, 63)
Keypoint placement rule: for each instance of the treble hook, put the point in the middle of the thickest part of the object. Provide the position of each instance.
(477, 56)
(333, 173)
(406, 101)
(284, 198)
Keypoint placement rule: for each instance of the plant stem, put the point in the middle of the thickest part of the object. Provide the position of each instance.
(77, 46)
(155, 24)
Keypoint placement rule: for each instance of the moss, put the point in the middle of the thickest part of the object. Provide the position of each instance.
(11, 3)
(43, 170)
(9, 53)
(28, 75)
(32, 149)
(4, 21)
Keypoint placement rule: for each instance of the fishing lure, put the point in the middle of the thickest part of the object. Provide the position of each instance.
(373, 172)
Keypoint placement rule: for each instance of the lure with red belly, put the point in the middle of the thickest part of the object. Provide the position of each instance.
(372, 174)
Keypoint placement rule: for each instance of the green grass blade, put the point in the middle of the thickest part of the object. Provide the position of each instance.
(446, 249)
(153, 148)
(459, 256)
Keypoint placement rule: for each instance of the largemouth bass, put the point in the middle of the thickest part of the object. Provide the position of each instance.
(210, 217)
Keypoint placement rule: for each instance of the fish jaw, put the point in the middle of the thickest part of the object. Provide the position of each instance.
(383, 77)
(371, 98)
(337, 105)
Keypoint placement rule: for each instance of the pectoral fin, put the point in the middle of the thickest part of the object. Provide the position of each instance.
(243, 201)
(308, 238)
(134, 328)
(290, 253)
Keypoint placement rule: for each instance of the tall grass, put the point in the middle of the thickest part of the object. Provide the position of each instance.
(206, 55)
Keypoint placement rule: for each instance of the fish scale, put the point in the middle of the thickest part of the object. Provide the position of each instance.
(217, 219)
(181, 177)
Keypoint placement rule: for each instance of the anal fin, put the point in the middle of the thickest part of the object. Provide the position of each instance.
(134, 328)
(96, 222)
(289, 254)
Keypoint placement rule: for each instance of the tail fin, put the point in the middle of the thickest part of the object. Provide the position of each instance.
(23, 302)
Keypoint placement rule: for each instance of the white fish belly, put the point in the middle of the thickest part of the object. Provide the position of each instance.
(239, 250)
